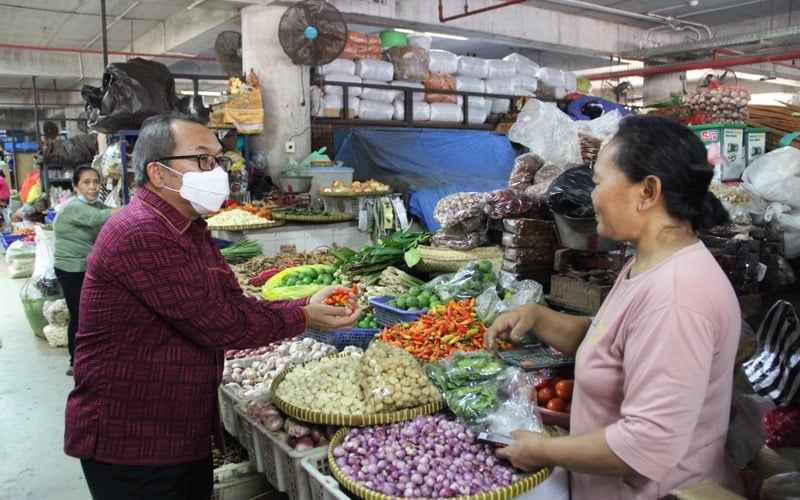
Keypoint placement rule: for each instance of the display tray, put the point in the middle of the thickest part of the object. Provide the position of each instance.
(550, 417)
(351, 194)
(515, 489)
(329, 217)
(247, 227)
(316, 417)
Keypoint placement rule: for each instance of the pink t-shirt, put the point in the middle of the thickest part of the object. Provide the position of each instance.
(656, 371)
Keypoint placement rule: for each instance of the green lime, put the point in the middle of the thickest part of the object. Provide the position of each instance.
(414, 291)
(424, 301)
(485, 265)
(326, 279)
(400, 302)
(307, 280)
(291, 281)
(312, 272)
(412, 303)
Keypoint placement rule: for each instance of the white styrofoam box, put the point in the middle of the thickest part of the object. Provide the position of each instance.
(423, 41)
(524, 65)
(553, 77)
(375, 69)
(475, 67)
(474, 101)
(446, 112)
(570, 81)
(386, 95)
(499, 68)
(499, 86)
(324, 176)
(375, 110)
(341, 77)
(340, 65)
(421, 110)
(442, 61)
(417, 96)
(500, 106)
(524, 85)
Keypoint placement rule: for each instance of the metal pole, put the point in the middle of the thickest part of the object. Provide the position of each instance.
(35, 109)
(105, 35)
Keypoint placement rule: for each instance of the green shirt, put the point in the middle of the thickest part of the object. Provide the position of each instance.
(76, 227)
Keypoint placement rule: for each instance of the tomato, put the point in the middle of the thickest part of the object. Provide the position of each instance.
(564, 388)
(555, 380)
(543, 382)
(557, 404)
(544, 395)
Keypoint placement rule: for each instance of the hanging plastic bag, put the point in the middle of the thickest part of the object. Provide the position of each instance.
(20, 256)
(44, 274)
(31, 180)
(570, 193)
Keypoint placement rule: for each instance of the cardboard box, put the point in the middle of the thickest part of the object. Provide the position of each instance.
(730, 137)
(755, 143)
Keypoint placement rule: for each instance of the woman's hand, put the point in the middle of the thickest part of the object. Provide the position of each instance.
(523, 454)
(328, 317)
(511, 326)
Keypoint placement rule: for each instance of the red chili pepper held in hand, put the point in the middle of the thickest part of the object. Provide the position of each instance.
(341, 298)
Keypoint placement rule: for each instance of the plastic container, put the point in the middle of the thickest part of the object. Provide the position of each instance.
(288, 465)
(323, 486)
(227, 409)
(388, 315)
(8, 239)
(248, 437)
(296, 183)
(581, 234)
(324, 176)
(358, 337)
(241, 488)
(393, 39)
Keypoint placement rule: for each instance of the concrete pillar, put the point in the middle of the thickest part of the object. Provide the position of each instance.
(284, 88)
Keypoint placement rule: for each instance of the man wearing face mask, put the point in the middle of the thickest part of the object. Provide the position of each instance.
(159, 307)
(75, 229)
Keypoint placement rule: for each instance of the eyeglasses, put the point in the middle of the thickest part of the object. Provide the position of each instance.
(205, 162)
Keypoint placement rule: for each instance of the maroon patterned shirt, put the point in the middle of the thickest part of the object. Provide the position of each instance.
(158, 307)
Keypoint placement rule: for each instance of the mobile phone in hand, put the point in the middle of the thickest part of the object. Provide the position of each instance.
(495, 438)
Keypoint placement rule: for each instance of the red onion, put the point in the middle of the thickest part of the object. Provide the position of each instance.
(403, 460)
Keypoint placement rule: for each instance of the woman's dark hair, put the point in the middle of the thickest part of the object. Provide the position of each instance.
(155, 141)
(665, 148)
(76, 175)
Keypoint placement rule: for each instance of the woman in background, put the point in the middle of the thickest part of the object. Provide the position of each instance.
(76, 226)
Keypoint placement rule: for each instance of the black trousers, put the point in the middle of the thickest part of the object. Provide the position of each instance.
(71, 284)
(192, 481)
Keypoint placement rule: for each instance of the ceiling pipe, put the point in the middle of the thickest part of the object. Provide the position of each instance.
(467, 12)
(688, 66)
(111, 52)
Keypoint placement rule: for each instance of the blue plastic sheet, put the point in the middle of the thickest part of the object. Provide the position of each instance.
(427, 164)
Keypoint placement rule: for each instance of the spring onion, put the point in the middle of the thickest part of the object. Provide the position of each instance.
(241, 250)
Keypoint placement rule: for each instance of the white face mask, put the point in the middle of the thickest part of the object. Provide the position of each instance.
(206, 191)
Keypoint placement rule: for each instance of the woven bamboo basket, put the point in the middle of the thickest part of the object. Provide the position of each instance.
(515, 489)
(438, 259)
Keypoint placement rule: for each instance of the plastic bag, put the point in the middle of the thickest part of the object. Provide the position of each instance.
(79, 149)
(469, 281)
(570, 193)
(132, 91)
(30, 180)
(56, 335)
(272, 289)
(457, 239)
(44, 275)
(525, 167)
(392, 379)
(464, 209)
(20, 257)
(483, 393)
(781, 487)
(410, 63)
(548, 132)
(746, 434)
(56, 312)
(775, 176)
(508, 203)
(782, 218)
(489, 304)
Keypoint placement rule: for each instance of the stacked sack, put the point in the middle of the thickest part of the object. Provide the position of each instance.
(328, 100)
(410, 58)
(443, 66)
(529, 248)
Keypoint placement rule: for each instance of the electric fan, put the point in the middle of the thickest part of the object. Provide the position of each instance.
(312, 32)
(228, 49)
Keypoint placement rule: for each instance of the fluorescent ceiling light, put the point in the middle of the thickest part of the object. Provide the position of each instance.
(428, 33)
